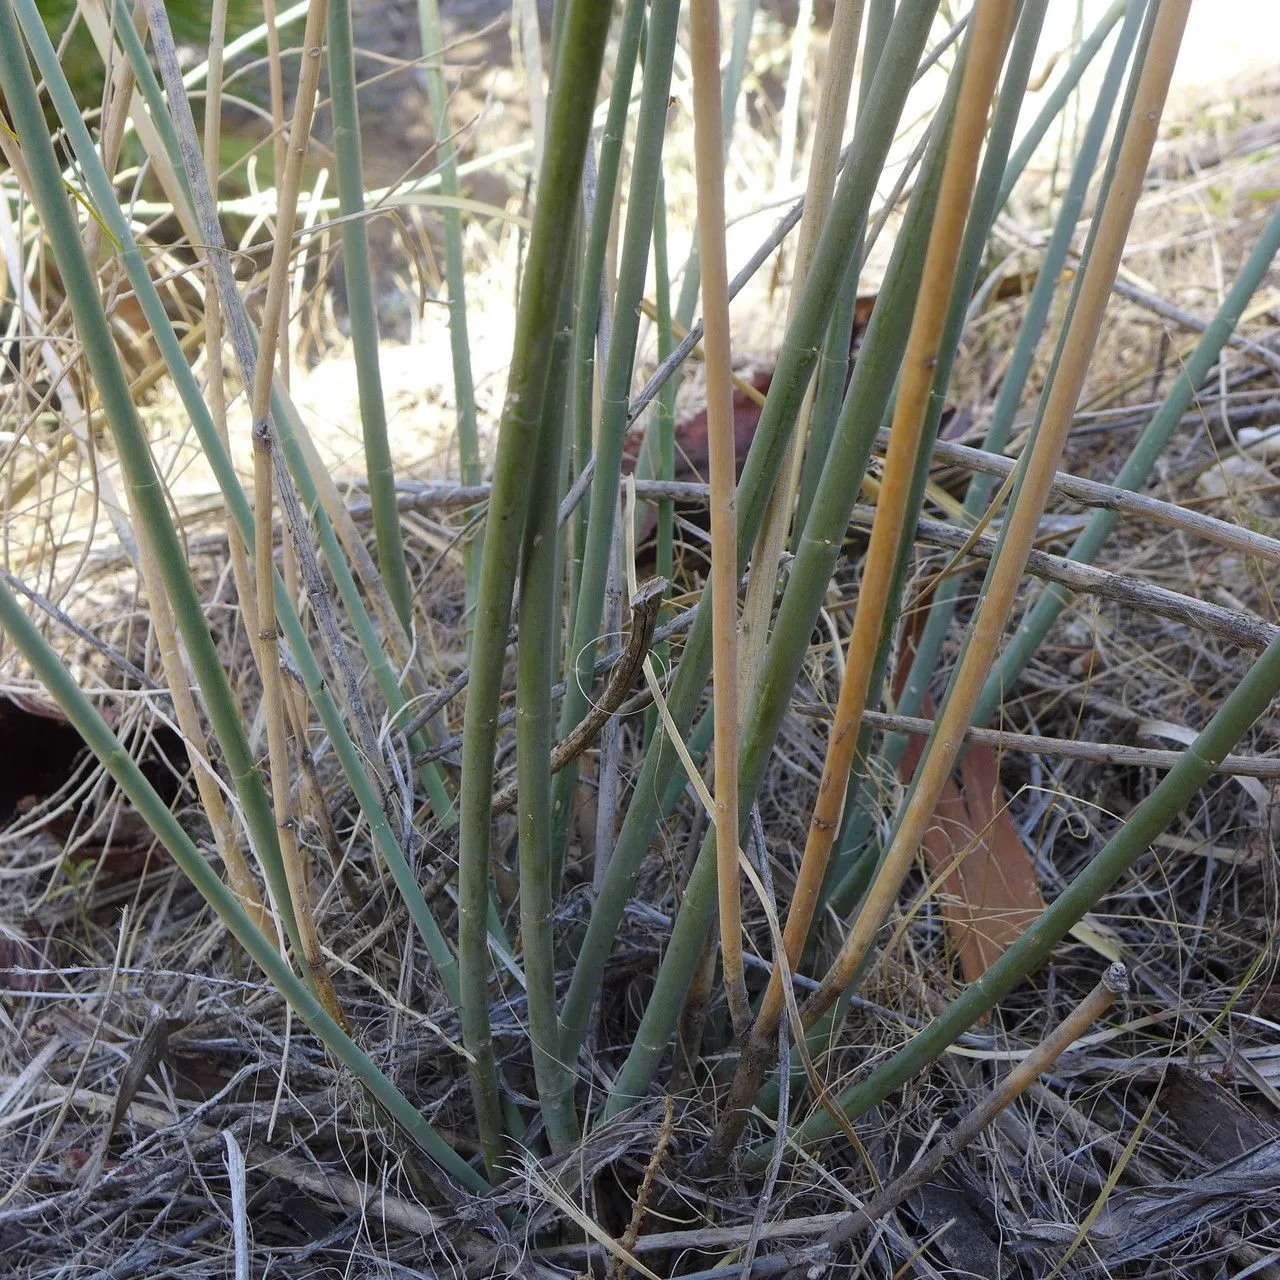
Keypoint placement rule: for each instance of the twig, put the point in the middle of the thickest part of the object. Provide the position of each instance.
(1244, 629)
(1114, 983)
(1111, 753)
(644, 616)
(674, 627)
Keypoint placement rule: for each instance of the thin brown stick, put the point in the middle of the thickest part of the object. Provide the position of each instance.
(1109, 753)
(704, 26)
(992, 24)
(645, 605)
(1244, 629)
(1022, 525)
(1114, 983)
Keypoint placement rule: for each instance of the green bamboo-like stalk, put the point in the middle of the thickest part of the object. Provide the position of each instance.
(1249, 700)
(1057, 99)
(795, 365)
(1031, 492)
(616, 383)
(833, 107)
(540, 625)
(833, 368)
(220, 462)
(559, 188)
(664, 426)
(464, 393)
(597, 242)
(133, 451)
(55, 677)
(380, 467)
(1137, 468)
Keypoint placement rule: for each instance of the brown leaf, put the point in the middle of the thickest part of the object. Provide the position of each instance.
(989, 896)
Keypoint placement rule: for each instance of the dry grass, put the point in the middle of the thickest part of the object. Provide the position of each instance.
(101, 939)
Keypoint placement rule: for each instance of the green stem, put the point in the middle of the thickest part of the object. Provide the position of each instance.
(455, 280)
(597, 547)
(559, 190)
(833, 367)
(665, 436)
(1056, 100)
(540, 614)
(364, 319)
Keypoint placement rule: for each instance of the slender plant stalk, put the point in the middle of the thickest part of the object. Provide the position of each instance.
(131, 444)
(795, 364)
(559, 188)
(602, 515)
(665, 425)
(833, 107)
(1057, 99)
(540, 613)
(380, 467)
(1137, 468)
(1020, 528)
(704, 50)
(62, 687)
(464, 394)
(833, 368)
(601, 196)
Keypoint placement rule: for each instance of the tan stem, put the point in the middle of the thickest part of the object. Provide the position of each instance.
(704, 26)
(998, 593)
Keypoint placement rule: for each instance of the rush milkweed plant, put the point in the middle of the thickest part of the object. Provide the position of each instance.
(333, 708)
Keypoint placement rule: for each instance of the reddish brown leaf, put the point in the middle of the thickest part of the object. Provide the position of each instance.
(989, 895)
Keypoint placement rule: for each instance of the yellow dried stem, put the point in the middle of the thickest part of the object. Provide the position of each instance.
(704, 26)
